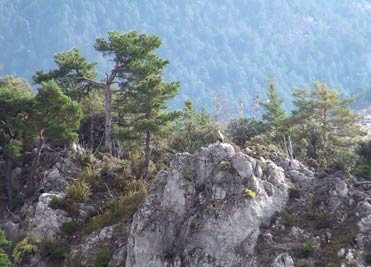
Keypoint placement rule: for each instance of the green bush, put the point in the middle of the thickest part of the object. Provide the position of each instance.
(288, 218)
(321, 220)
(225, 165)
(69, 227)
(4, 259)
(72, 207)
(85, 158)
(91, 176)
(57, 203)
(24, 249)
(243, 129)
(344, 161)
(304, 250)
(54, 249)
(102, 257)
(3, 241)
(121, 208)
(187, 171)
(304, 263)
(79, 190)
(364, 152)
(363, 171)
(249, 193)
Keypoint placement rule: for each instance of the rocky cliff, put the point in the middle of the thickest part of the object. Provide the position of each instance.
(216, 207)
(206, 211)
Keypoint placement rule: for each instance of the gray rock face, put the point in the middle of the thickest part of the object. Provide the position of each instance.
(283, 260)
(200, 213)
(45, 221)
(56, 178)
(86, 252)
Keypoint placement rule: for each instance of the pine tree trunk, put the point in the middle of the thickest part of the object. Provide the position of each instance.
(285, 145)
(8, 181)
(35, 164)
(147, 158)
(291, 152)
(91, 145)
(108, 121)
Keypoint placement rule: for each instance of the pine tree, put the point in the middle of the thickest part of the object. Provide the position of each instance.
(126, 51)
(146, 103)
(192, 130)
(55, 118)
(274, 114)
(324, 120)
(15, 100)
(274, 118)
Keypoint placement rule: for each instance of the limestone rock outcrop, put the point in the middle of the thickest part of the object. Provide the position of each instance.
(207, 210)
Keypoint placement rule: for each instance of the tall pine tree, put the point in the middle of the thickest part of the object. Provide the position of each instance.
(125, 51)
(146, 103)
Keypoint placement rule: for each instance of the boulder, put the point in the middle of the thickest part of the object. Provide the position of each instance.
(202, 212)
(45, 222)
(283, 260)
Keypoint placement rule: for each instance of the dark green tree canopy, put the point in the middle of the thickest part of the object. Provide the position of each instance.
(71, 68)
(15, 102)
(273, 114)
(54, 115)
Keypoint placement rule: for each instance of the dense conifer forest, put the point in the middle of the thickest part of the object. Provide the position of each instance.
(217, 48)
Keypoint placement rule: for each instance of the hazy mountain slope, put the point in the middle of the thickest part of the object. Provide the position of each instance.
(220, 45)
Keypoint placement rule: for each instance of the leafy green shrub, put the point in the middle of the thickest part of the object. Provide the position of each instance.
(304, 263)
(91, 175)
(243, 129)
(121, 208)
(344, 239)
(3, 241)
(57, 203)
(288, 218)
(79, 190)
(69, 227)
(324, 221)
(54, 249)
(304, 250)
(24, 249)
(102, 257)
(187, 171)
(321, 220)
(85, 158)
(225, 165)
(249, 193)
(363, 171)
(364, 152)
(344, 161)
(71, 207)
(4, 259)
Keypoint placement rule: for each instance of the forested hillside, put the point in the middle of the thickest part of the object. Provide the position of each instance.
(224, 46)
(98, 169)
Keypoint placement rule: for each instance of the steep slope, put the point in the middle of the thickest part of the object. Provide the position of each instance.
(224, 46)
(216, 207)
